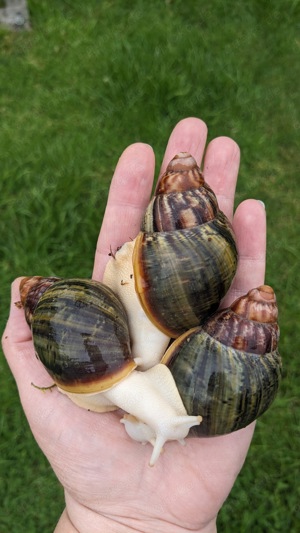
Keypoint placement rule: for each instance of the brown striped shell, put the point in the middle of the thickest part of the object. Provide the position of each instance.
(228, 370)
(185, 257)
(31, 290)
(182, 200)
(80, 332)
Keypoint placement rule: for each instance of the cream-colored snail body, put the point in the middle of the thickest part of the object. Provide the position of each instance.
(148, 343)
(228, 370)
(81, 335)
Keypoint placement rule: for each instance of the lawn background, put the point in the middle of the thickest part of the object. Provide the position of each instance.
(86, 81)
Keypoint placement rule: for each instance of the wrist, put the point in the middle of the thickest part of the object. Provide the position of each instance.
(104, 524)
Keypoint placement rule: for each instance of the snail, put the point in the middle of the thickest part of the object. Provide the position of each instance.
(228, 369)
(176, 271)
(105, 344)
(81, 335)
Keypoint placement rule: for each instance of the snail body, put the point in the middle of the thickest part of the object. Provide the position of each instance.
(148, 343)
(229, 369)
(81, 336)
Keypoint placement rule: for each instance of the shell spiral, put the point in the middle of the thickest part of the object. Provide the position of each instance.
(185, 257)
(228, 370)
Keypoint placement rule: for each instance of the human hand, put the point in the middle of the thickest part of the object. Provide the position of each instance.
(108, 483)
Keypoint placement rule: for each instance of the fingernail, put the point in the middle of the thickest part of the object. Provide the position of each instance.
(262, 203)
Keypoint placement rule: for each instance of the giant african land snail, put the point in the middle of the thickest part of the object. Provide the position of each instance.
(176, 272)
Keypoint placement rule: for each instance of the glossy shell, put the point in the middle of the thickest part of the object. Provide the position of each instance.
(186, 265)
(81, 336)
(229, 370)
(181, 276)
(31, 290)
(183, 199)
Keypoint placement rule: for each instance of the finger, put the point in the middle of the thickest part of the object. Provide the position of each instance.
(128, 197)
(221, 166)
(17, 329)
(249, 224)
(189, 135)
(18, 348)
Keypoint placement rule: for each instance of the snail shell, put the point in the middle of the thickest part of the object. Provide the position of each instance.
(31, 290)
(80, 332)
(228, 370)
(185, 257)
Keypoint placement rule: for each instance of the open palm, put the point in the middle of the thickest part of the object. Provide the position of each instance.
(108, 483)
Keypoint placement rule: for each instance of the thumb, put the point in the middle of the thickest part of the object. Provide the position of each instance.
(19, 350)
(17, 330)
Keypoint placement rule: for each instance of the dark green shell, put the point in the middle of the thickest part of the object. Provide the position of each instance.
(185, 256)
(229, 388)
(81, 335)
(181, 276)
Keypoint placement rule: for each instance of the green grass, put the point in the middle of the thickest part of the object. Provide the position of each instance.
(86, 81)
